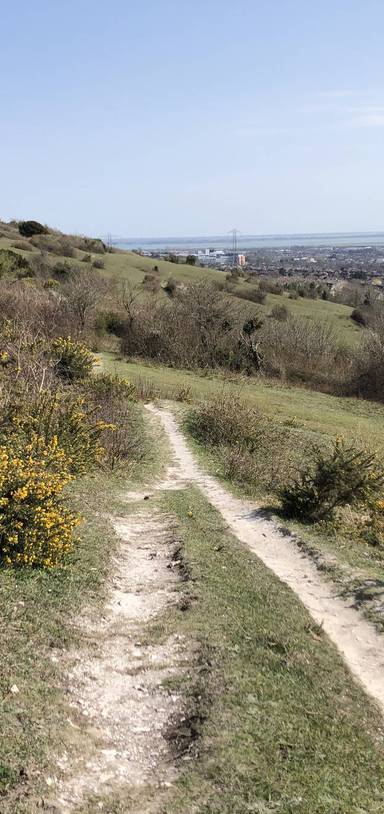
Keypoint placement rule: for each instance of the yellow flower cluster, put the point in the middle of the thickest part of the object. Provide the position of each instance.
(35, 527)
(73, 359)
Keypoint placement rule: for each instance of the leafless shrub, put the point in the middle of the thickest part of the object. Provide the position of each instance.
(367, 374)
(301, 350)
(113, 401)
(251, 449)
(82, 291)
(151, 283)
(252, 293)
(54, 244)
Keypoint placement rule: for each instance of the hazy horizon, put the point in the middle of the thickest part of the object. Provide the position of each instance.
(248, 242)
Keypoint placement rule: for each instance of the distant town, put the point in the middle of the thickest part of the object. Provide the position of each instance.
(324, 263)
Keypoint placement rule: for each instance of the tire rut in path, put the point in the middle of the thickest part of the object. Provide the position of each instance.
(361, 646)
(120, 705)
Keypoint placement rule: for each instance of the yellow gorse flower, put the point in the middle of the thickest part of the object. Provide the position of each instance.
(36, 529)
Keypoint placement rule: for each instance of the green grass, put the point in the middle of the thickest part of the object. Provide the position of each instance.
(336, 314)
(283, 727)
(318, 413)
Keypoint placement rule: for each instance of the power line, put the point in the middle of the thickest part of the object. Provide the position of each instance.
(234, 233)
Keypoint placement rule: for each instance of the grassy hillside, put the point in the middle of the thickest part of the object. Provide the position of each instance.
(317, 413)
(346, 552)
(132, 267)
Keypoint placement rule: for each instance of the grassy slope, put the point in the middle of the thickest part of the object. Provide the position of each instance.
(284, 727)
(315, 415)
(132, 267)
(316, 412)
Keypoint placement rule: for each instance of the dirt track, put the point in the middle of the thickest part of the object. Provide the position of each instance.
(357, 640)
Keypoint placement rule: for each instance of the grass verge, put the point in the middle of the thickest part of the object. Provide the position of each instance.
(282, 726)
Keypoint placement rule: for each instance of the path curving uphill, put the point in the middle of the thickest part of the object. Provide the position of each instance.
(361, 646)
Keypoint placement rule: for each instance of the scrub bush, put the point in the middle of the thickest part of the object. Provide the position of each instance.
(28, 228)
(13, 263)
(345, 476)
(112, 402)
(225, 420)
(73, 359)
(250, 449)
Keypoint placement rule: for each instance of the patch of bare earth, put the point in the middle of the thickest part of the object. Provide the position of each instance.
(116, 685)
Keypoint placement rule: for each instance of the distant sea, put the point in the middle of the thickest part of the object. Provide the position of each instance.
(247, 242)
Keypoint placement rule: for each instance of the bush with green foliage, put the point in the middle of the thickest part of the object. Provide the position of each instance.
(13, 263)
(29, 228)
(111, 322)
(344, 476)
(73, 359)
(359, 316)
(90, 245)
(63, 269)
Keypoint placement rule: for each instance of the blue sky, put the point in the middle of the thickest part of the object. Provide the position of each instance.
(157, 117)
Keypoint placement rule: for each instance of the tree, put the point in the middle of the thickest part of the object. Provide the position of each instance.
(129, 295)
(83, 290)
(191, 260)
(28, 228)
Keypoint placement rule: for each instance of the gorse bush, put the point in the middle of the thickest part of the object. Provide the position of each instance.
(73, 359)
(36, 528)
(68, 416)
(345, 476)
(13, 263)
